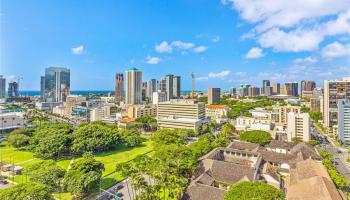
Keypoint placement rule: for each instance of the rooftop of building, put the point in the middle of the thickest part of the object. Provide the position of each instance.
(217, 107)
(132, 69)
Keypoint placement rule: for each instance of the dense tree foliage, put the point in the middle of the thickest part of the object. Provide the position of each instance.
(169, 136)
(51, 140)
(147, 123)
(32, 191)
(46, 172)
(254, 190)
(131, 137)
(19, 137)
(258, 137)
(315, 115)
(84, 176)
(95, 137)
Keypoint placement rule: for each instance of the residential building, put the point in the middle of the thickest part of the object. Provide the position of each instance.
(333, 92)
(315, 104)
(13, 90)
(136, 111)
(169, 80)
(317, 92)
(268, 91)
(216, 111)
(133, 81)
(71, 101)
(266, 83)
(119, 86)
(151, 87)
(344, 121)
(276, 87)
(298, 126)
(180, 113)
(243, 90)
(292, 88)
(158, 97)
(213, 95)
(307, 87)
(144, 91)
(177, 87)
(57, 84)
(102, 113)
(283, 90)
(284, 110)
(2, 87)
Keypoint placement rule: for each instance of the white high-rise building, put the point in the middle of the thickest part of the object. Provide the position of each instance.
(158, 97)
(298, 126)
(151, 87)
(344, 120)
(133, 85)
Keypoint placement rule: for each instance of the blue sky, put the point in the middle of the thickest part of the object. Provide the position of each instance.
(225, 43)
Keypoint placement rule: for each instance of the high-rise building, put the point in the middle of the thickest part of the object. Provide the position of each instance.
(57, 84)
(119, 86)
(266, 83)
(344, 120)
(13, 90)
(307, 86)
(276, 88)
(268, 91)
(232, 91)
(169, 86)
(133, 81)
(298, 126)
(253, 91)
(151, 87)
(180, 113)
(243, 90)
(284, 110)
(2, 87)
(292, 88)
(144, 91)
(213, 95)
(42, 87)
(333, 92)
(315, 104)
(177, 86)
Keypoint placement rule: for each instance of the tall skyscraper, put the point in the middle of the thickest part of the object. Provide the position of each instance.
(333, 92)
(2, 87)
(133, 81)
(42, 87)
(253, 91)
(144, 91)
(292, 88)
(344, 120)
(266, 83)
(213, 95)
(177, 86)
(13, 90)
(151, 87)
(169, 80)
(57, 84)
(119, 86)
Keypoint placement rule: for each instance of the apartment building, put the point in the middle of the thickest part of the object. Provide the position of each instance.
(298, 126)
(344, 121)
(283, 113)
(136, 111)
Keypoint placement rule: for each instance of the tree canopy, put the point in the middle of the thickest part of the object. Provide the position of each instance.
(94, 137)
(33, 191)
(19, 137)
(84, 176)
(258, 137)
(254, 190)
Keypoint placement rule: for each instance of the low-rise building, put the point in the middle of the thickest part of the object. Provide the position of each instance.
(135, 111)
(216, 111)
(11, 120)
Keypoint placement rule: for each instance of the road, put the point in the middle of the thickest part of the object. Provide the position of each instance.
(339, 154)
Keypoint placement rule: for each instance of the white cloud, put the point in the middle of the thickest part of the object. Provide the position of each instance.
(293, 26)
(220, 75)
(240, 73)
(293, 41)
(182, 45)
(254, 52)
(163, 47)
(200, 49)
(335, 50)
(153, 60)
(77, 50)
(202, 78)
(306, 60)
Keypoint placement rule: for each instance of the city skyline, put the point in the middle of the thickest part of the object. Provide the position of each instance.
(226, 47)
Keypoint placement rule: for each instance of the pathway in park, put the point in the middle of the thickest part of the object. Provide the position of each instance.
(70, 163)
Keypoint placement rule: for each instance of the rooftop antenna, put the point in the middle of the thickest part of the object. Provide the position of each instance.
(193, 78)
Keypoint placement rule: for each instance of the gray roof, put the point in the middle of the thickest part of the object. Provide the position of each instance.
(204, 192)
(247, 146)
(280, 144)
(306, 151)
(230, 173)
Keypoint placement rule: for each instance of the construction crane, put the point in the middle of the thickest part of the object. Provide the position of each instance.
(193, 78)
